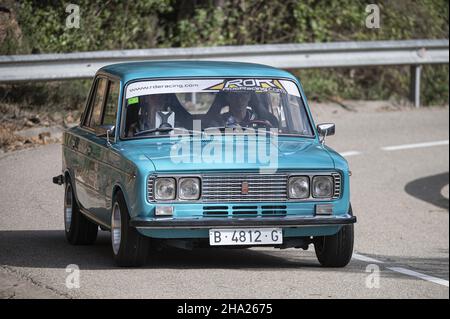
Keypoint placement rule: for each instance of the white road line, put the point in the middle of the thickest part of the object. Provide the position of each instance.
(402, 270)
(350, 153)
(417, 145)
(420, 275)
(366, 259)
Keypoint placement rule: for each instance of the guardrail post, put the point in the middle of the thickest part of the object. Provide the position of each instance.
(416, 71)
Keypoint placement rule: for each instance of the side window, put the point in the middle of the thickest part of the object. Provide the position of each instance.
(298, 115)
(88, 109)
(109, 116)
(98, 100)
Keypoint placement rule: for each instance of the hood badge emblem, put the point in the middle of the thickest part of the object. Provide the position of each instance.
(244, 188)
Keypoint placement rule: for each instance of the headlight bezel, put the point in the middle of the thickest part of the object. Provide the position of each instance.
(313, 186)
(155, 188)
(335, 193)
(299, 177)
(179, 188)
(153, 196)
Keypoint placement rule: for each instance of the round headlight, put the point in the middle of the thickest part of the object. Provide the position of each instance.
(322, 186)
(189, 188)
(298, 187)
(165, 188)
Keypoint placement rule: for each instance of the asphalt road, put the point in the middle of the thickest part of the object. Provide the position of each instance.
(399, 194)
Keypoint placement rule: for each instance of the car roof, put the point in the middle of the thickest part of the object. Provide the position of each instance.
(173, 69)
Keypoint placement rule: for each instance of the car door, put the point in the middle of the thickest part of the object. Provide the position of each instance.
(84, 143)
(106, 172)
(98, 171)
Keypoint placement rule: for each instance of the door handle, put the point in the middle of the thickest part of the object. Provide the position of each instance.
(73, 144)
(89, 150)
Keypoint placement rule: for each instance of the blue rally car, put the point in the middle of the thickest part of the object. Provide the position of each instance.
(203, 154)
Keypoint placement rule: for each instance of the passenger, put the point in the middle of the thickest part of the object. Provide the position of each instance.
(148, 108)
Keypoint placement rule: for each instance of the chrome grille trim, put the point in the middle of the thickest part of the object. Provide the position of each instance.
(337, 185)
(228, 187)
(150, 182)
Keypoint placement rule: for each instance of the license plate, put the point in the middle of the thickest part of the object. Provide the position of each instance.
(248, 236)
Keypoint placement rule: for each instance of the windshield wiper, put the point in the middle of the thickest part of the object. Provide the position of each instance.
(192, 132)
(153, 130)
(243, 128)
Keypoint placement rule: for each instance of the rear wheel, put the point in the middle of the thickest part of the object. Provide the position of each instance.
(79, 230)
(130, 249)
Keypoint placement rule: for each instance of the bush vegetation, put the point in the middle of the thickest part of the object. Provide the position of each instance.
(39, 27)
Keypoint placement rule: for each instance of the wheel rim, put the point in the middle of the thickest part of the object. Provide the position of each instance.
(68, 203)
(116, 228)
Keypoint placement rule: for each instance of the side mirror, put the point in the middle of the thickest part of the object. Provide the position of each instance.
(105, 131)
(326, 129)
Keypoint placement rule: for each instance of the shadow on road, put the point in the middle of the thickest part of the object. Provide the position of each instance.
(429, 189)
(49, 249)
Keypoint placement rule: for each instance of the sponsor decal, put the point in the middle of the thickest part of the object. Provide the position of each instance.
(133, 100)
(259, 85)
(168, 86)
(211, 85)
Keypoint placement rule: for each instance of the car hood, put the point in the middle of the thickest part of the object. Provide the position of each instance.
(281, 154)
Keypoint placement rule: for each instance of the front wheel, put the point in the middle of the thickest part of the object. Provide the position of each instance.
(130, 249)
(335, 250)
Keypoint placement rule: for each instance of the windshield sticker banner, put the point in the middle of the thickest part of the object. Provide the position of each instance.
(211, 85)
(249, 85)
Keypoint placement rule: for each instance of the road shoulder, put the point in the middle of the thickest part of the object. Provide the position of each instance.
(16, 286)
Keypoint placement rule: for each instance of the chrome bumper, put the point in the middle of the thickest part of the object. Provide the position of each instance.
(233, 222)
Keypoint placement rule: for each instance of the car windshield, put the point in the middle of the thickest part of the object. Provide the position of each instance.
(155, 108)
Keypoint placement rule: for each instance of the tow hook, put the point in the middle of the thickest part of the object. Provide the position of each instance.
(59, 180)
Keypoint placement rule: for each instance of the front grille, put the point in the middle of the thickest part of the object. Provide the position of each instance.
(228, 188)
(245, 211)
(223, 188)
(215, 211)
(273, 210)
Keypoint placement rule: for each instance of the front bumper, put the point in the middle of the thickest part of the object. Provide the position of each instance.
(233, 222)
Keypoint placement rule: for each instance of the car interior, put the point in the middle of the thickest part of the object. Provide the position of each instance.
(185, 114)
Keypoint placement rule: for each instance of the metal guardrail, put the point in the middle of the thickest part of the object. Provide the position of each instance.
(44, 67)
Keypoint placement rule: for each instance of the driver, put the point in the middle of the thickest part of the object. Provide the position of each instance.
(239, 113)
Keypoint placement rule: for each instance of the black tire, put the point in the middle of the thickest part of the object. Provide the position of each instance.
(336, 250)
(78, 228)
(131, 250)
